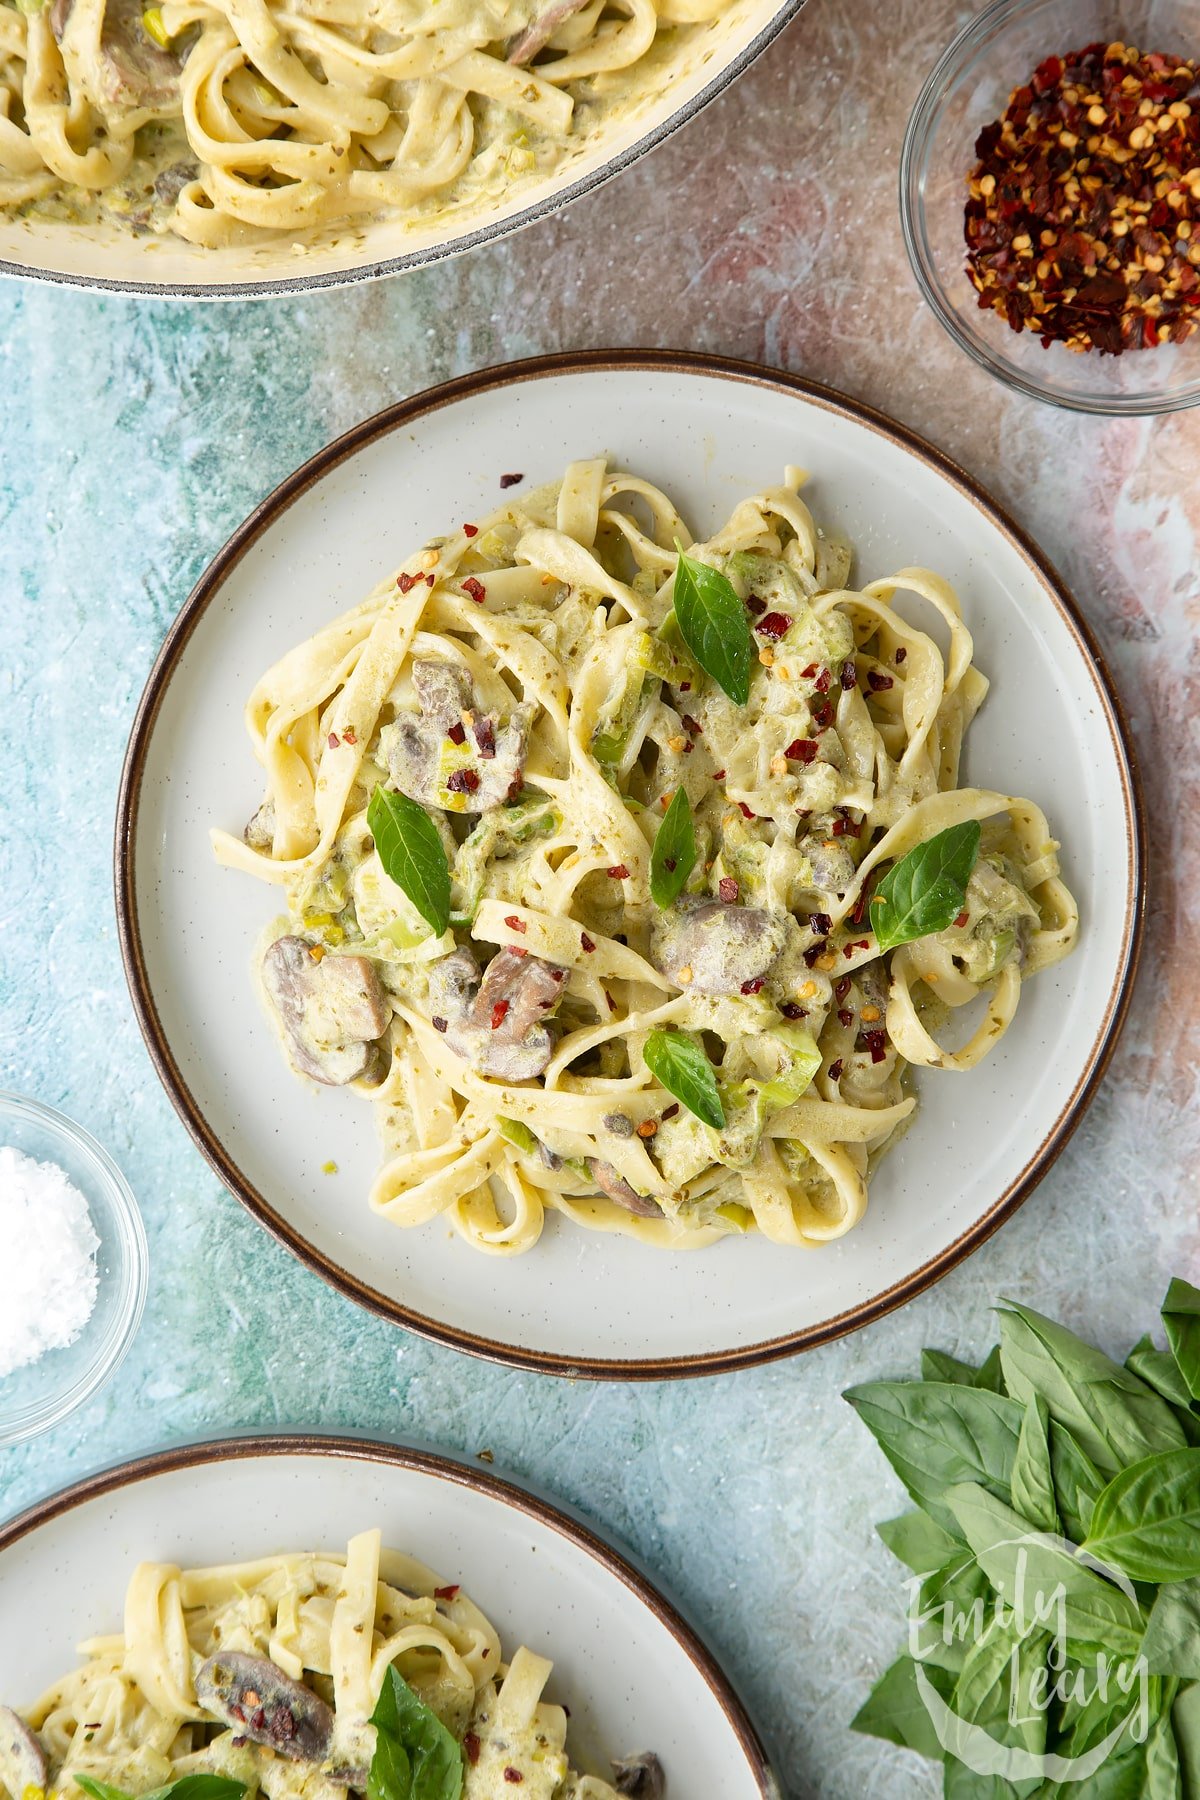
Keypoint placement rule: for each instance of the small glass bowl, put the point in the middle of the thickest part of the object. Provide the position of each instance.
(969, 87)
(40, 1395)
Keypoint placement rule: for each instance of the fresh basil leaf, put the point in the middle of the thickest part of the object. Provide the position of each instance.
(412, 853)
(680, 1065)
(1181, 1317)
(937, 1365)
(951, 1603)
(673, 856)
(1159, 1370)
(991, 1372)
(1032, 1480)
(1115, 1418)
(188, 1787)
(1164, 1777)
(918, 1542)
(713, 624)
(1077, 1482)
(1171, 1645)
(926, 890)
(895, 1711)
(1092, 1709)
(1185, 1722)
(406, 1725)
(1146, 1522)
(937, 1435)
(1022, 1565)
(1003, 1669)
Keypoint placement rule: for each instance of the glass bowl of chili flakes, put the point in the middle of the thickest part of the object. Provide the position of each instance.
(1064, 136)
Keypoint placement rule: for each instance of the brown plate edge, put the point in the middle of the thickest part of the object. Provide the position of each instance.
(566, 1523)
(395, 417)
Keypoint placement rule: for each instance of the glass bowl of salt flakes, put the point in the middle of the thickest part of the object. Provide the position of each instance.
(1050, 199)
(73, 1271)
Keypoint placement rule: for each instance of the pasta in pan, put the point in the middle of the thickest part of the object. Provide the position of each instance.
(269, 1673)
(226, 120)
(661, 996)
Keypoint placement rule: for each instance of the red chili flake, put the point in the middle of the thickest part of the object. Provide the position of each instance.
(612, 1005)
(728, 889)
(431, 581)
(349, 737)
(859, 911)
(876, 1042)
(821, 923)
(670, 864)
(807, 674)
(774, 625)
(844, 828)
(861, 944)
(835, 1070)
(790, 1010)
(812, 953)
(746, 810)
(472, 1746)
(901, 655)
(845, 1016)
(755, 605)
(513, 1775)
(406, 582)
(692, 726)
(447, 1593)
(849, 676)
(619, 872)
(841, 988)
(685, 687)
(332, 740)
(823, 681)
(499, 1013)
(586, 942)
(470, 531)
(457, 733)
(878, 684)
(962, 918)
(558, 974)
(485, 737)
(507, 481)
(475, 589)
(802, 750)
(823, 715)
(755, 985)
(669, 1112)
(462, 781)
(718, 774)
(438, 1024)
(515, 924)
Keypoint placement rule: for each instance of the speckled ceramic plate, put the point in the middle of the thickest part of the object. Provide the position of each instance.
(709, 433)
(633, 1674)
(107, 256)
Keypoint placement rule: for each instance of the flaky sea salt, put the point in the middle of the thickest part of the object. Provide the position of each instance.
(48, 1251)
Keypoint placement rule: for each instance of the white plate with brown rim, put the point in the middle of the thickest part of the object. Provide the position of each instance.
(632, 1672)
(708, 432)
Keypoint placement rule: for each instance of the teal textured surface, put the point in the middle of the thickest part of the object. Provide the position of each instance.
(136, 436)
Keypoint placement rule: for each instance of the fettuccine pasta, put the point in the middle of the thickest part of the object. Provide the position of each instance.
(526, 684)
(231, 121)
(267, 1673)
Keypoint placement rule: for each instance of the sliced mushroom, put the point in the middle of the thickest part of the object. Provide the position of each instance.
(418, 746)
(497, 1022)
(133, 70)
(22, 1759)
(617, 1188)
(259, 831)
(169, 183)
(641, 1775)
(831, 866)
(332, 1008)
(253, 1694)
(541, 29)
(711, 948)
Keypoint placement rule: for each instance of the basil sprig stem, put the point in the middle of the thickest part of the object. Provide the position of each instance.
(411, 853)
(713, 624)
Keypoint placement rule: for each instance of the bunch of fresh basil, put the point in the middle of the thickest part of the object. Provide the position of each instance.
(1051, 1470)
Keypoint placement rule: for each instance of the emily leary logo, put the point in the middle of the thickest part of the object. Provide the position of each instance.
(1027, 1662)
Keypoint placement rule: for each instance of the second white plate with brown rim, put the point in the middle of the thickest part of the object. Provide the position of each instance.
(707, 431)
